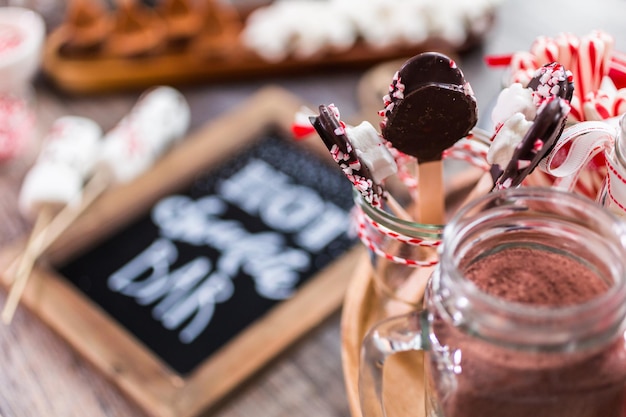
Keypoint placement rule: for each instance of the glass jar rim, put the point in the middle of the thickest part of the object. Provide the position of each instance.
(534, 321)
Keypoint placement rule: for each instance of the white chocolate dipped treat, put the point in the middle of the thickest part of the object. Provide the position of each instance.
(73, 141)
(160, 118)
(48, 184)
(67, 157)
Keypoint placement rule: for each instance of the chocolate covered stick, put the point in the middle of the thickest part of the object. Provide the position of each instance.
(513, 115)
(361, 155)
(538, 141)
(551, 89)
(430, 106)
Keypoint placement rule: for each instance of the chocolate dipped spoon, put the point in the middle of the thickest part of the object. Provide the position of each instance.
(514, 109)
(551, 83)
(430, 106)
(359, 152)
(536, 144)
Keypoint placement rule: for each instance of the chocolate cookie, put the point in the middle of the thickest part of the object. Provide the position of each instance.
(430, 106)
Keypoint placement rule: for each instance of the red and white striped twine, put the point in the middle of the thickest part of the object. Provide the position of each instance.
(361, 218)
(468, 150)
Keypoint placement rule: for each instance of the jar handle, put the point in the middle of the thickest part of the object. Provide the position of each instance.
(393, 335)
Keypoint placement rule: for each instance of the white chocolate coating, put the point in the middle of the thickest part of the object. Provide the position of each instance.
(67, 157)
(159, 119)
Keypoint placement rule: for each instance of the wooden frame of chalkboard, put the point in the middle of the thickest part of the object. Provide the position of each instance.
(113, 349)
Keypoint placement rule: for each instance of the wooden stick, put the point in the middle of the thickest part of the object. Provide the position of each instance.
(26, 262)
(482, 187)
(43, 237)
(431, 199)
(398, 210)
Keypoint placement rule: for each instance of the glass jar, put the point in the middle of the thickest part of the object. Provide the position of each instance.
(524, 315)
(612, 195)
(403, 252)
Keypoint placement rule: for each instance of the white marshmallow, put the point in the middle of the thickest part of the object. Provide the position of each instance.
(48, 183)
(159, 119)
(73, 141)
(507, 138)
(514, 99)
(306, 27)
(372, 151)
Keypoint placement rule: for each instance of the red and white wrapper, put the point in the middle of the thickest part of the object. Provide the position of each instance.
(160, 118)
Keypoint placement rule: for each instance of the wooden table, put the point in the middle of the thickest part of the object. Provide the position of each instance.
(42, 376)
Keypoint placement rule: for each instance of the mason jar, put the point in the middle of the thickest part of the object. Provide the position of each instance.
(524, 315)
(403, 251)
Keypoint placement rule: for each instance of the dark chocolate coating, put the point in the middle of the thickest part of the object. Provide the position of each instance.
(566, 85)
(430, 120)
(547, 126)
(429, 67)
(436, 111)
(549, 123)
(327, 127)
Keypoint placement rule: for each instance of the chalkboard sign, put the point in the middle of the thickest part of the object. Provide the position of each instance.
(233, 246)
(206, 262)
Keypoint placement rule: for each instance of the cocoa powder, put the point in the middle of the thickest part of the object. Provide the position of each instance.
(530, 276)
(495, 381)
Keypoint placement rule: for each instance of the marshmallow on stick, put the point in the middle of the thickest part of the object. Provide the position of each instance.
(67, 158)
(430, 107)
(159, 119)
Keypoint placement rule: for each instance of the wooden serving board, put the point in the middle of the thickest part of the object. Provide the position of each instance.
(403, 385)
(101, 337)
(94, 74)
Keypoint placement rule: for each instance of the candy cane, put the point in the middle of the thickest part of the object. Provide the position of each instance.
(592, 64)
(568, 45)
(545, 49)
(585, 140)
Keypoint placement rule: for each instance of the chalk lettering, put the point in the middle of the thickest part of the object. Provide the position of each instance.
(185, 298)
